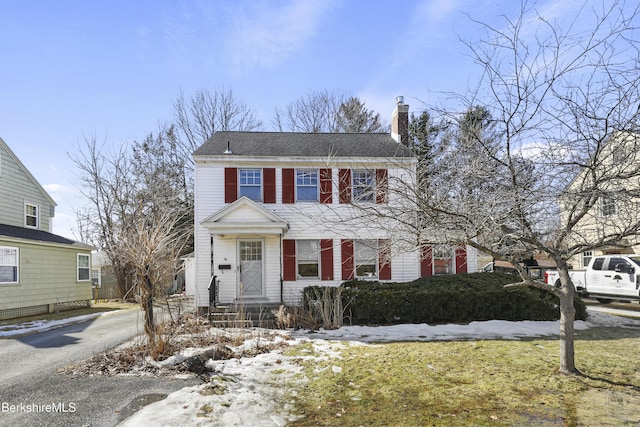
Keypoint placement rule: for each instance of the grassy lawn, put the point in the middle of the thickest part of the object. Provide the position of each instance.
(476, 383)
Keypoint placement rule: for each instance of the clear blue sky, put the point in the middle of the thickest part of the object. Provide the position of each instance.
(111, 69)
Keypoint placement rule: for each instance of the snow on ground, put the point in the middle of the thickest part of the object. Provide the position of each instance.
(253, 391)
(34, 326)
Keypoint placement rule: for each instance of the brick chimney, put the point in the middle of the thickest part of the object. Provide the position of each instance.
(400, 122)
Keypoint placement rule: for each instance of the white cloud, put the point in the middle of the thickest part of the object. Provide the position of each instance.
(264, 35)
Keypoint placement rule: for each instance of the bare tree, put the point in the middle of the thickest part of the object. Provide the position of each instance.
(205, 113)
(558, 95)
(327, 111)
(139, 212)
(315, 112)
(538, 155)
(104, 181)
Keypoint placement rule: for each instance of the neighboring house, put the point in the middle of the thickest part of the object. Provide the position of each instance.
(103, 279)
(617, 177)
(274, 213)
(40, 272)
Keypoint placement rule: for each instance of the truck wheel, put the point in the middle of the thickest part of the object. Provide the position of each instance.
(603, 300)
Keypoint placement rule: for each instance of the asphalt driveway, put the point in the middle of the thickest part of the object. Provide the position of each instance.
(34, 393)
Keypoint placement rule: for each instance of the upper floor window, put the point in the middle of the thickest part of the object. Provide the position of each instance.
(84, 267)
(366, 258)
(307, 185)
(608, 206)
(251, 184)
(364, 186)
(8, 265)
(31, 215)
(308, 258)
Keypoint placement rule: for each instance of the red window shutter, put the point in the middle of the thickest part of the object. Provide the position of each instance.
(461, 259)
(325, 186)
(288, 259)
(269, 187)
(382, 186)
(384, 260)
(426, 261)
(230, 185)
(326, 259)
(288, 185)
(348, 266)
(344, 185)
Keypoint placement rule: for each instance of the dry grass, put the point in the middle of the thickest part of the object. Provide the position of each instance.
(476, 383)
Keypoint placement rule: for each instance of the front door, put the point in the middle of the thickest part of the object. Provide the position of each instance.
(251, 269)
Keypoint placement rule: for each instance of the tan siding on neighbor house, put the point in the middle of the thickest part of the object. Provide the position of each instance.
(18, 187)
(47, 275)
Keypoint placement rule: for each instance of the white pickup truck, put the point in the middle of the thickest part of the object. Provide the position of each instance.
(607, 277)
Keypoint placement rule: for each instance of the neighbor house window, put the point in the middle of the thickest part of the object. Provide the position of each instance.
(607, 206)
(308, 258)
(31, 215)
(8, 265)
(364, 186)
(366, 258)
(586, 258)
(251, 184)
(84, 267)
(442, 260)
(307, 185)
(95, 277)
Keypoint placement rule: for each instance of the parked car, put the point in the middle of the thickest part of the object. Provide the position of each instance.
(607, 278)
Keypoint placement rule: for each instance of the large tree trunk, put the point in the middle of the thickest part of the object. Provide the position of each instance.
(147, 305)
(567, 319)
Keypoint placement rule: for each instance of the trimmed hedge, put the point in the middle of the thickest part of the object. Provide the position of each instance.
(447, 299)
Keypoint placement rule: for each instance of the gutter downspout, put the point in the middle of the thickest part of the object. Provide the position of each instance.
(281, 273)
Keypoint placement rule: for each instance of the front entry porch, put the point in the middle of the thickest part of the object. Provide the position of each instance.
(246, 255)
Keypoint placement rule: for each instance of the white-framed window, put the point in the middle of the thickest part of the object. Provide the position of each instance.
(31, 215)
(364, 185)
(608, 206)
(84, 267)
(307, 185)
(251, 184)
(95, 277)
(9, 264)
(308, 258)
(366, 258)
(442, 259)
(586, 258)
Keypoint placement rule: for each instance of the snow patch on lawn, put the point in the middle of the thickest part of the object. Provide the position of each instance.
(258, 391)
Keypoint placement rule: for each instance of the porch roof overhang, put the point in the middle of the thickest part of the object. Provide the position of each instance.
(244, 216)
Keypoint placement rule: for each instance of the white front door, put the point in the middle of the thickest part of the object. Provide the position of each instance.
(251, 268)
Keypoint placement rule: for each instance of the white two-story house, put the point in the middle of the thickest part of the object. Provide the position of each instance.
(276, 212)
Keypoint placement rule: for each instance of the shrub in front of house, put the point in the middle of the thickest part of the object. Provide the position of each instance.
(446, 299)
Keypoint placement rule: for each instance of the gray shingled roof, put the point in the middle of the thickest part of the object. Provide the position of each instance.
(38, 235)
(279, 144)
